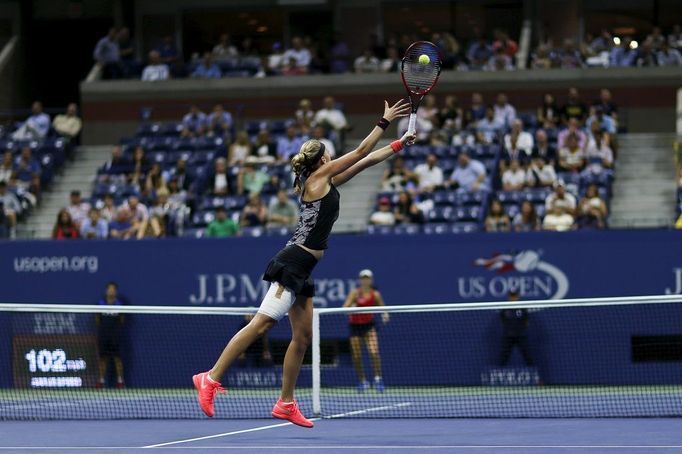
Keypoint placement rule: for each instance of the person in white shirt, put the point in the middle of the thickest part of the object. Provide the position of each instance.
(68, 124)
(224, 50)
(391, 63)
(276, 59)
(366, 63)
(430, 175)
(384, 216)
(422, 125)
(331, 117)
(518, 140)
(514, 178)
(36, 126)
(557, 220)
(77, 208)
(561, 198)
(505, 113)
(139, 215)
(540, 173)
(300, 54)
(220, 183)
(155, 70)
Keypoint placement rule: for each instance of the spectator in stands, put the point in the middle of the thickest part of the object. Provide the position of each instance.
(24, 194)
(107, 54)
(219, 122)
(429, 111)
(656, 38)
(592, 201)
(168, 53)
(64, 228)
(590, 220)
(430, 175)
(116, 165)
(108, 211)
(194, 123)
(36, 125)
(94, 227)
(548, 113)
(543, 147)
(339, 55)
(514, 178)
(598, 152)
(505, 43)
(251, 180)
(121, 228)
(518, 144)
(574, 107)
(646, 56)
(606, 103)
(319, 133)
(126, 50)
(500, 61)
(179, 173)
(406, 211)
(240, 150)
(391, 63)
(571, 156)
(573, 129)
(366, 63)
(604, 122)
(561, 199)
(255, 213)
(526, 220)
(139, 215)
(489, 128)
(675, 37)
(469, 175)
(154, 181)
(207, 69)
(225, 50)
(383, 216)
(397, 177)
(275, 60)
(477, 110)
(289, 145)
(6, 167)
(423, 128)
(300, 55)
(155, 69)
(540, 173)
(479, 53)
(331, 117)
(668, 56)
(504, 112)
(265, 149)
(570, 56)
(557, 219)
(219, 180)
(541, 58)
(141, 166)
(162, 216)
(11, 208)
(27, 170)
(451, 116)
(78, 209)
(305, 115)
(222, 226)
(623, 54)
(283, 212)
(68, 124)
(497, 220)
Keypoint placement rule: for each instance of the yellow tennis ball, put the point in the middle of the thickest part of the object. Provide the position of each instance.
(424, 59)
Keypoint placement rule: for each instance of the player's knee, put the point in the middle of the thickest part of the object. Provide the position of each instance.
(304, 337)
(262, 324)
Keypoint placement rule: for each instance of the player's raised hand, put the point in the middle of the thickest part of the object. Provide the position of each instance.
(397, 110)
(408, 138)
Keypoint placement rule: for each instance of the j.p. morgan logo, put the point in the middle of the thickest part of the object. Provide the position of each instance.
(523, 272)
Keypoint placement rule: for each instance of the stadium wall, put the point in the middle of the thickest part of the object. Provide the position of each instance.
(566, 343)
(111, 109)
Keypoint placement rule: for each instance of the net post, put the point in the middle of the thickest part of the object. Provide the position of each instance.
(317, 409)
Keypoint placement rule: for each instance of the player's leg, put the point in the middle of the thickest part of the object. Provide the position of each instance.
(118, 364)
(523, 346)
(505, 352)
(356, 356)
(102, 366)
(372, 342)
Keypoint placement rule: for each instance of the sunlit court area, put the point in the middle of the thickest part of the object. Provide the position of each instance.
(340, 226)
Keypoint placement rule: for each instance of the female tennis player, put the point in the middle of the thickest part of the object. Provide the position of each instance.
(363, 330)
(291, 287)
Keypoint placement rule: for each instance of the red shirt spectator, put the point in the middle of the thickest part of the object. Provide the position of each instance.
(64, 228)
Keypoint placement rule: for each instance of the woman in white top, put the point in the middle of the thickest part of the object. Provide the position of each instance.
(514, 178)
(239, 150)
(598, 150)
(571, 156)
(592, 200)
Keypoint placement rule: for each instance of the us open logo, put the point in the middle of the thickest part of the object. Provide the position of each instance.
(523, 272)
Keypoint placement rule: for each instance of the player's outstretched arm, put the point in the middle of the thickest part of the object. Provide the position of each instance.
(373, 158)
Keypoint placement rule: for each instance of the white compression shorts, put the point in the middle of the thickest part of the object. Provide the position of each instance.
(277, 301)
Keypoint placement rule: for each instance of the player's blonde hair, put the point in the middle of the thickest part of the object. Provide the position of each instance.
(302, 163)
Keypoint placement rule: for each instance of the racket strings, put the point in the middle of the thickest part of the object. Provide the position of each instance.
(419, 77)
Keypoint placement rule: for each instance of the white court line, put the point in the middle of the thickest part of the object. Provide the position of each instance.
(349, 447)
(273, 426)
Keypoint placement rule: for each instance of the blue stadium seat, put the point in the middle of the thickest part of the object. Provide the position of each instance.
(464, 227)
(472, 198)
(510, 197)
(380, 229)
(440, 214)
(467, 214)
(444, 198)
(436, 229)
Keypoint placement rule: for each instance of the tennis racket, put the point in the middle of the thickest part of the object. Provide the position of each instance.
(419, 70)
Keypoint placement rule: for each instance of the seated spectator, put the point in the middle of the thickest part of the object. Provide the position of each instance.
(251, 180)
(469, 175)
(240, 150)
(222, 226)
(669, 56)
(505, 113)
(646, 57)
(429, 111)
(207, 69)
(141, 166)
(283, 212)
(543, 147)
(139, 215)
(607, 105)
(406, 211)
(574, 108)
(78, 209)
(155, 69)
(604, 122)
(430, 175)
(572, 129)
(561, 199)
(6, 167)
(391, 63)
(68, 125)
(592, 201)
(27, 169)
(330, 117)
(290, 68)
(319, 133)
(219, 180)
(366, 63)
(500, 61)
(289, 145)
(121, 228)
(94, 227)
(219, 122)
(598, 153)
(475, 112)
(497, 220)
(423, 128)
(194, 123)
(541, 58)
(255, 213)
(297, 56)
(590, 220)
(557, 219)
(656, 38)
(548, 113)
(451, 115)
(36, 125)
(339, 55)
(489, 128)
(526, 220)
(168, 53)
(165, 215)
(514, 178)
(305, 115)
(540, 173)
(623, 54)
(274, 62)
(64, 228)
(11, 208)
(117, 164)
(383, 216)
(505, 43)
(675, 37)
(569, 55)
(265, 150)
(397, 177)
(479, 53)
(571, 156)
(179, 173)
(154, 181)
(107, 55)
(518, 144)
(224, 50)
(108, 210)
(22, 192)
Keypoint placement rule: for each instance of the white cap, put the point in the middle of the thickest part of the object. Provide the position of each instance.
(366, 273)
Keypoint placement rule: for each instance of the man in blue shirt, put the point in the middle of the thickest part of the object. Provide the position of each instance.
(94, 227)
(606, 122)
(622, 55)
(220, 122)
(289, 145)
(469, 175)
(107, 54)
(489, 128)
(26, 167)
(207, 69)
(36, 126)
(194, 123)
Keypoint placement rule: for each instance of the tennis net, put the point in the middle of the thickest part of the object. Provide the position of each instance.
(607, 357)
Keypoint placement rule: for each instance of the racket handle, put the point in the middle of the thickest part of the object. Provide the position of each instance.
(411, 125)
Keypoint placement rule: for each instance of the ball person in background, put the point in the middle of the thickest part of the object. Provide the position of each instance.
(289, 272)
(514, 327)
(363, 330)
(109, 330)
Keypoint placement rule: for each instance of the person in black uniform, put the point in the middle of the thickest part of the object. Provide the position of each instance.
(109, 331)
(289, 272)
(514, 328)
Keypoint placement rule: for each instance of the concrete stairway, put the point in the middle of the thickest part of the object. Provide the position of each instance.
(644, 190)
(75, 175)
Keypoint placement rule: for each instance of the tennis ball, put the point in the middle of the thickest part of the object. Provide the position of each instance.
(424, 59)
